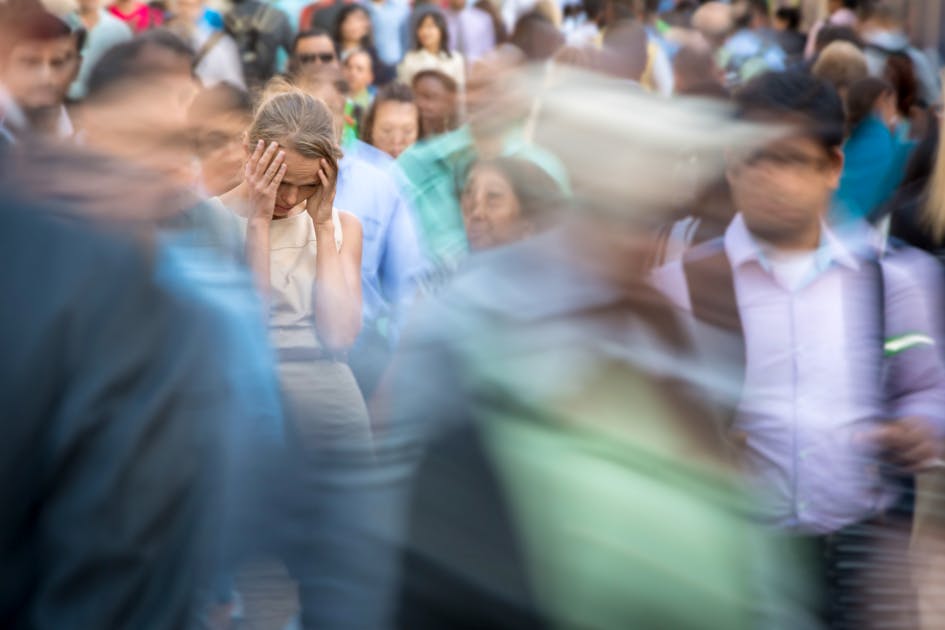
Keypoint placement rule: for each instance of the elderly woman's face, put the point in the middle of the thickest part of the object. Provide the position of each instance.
(492, 213)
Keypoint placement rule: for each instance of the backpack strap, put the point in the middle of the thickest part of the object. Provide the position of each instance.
(711, 286)
(208, 45)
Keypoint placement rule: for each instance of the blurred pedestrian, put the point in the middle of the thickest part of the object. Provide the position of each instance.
(102, 31)
(140, 16)
(752, 48)
(831, 456)
(260, 31)
(311, 49)
(508, 199)
(392, 123)
(471, 31)
(437, 98)
(840, 13)
(216, 56)
(841, 64)
(884, 33)
(875, 156)
(39, 59)
(431, 51)
(390, 18)
(218, 118)
(359, 73)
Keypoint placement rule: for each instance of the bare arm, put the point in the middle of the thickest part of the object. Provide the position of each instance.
(338, 287)
(256, 199)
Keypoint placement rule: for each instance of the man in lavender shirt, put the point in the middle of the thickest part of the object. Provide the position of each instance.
(843, 390)
(471, 30)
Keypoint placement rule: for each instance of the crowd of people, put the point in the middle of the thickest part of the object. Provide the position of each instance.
(507, 314)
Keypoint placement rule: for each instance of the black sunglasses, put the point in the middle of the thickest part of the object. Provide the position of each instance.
(312, 58)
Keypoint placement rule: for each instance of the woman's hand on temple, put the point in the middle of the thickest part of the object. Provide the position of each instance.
(263, 174)
(319, 205)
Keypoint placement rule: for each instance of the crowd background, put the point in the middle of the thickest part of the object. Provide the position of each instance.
(507, 313)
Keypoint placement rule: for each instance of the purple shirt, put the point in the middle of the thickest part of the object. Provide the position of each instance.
(812, 374)
(471, 33)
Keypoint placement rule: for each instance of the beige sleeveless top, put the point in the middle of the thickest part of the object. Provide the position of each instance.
(292, 249)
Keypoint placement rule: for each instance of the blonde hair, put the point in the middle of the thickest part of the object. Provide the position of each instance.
(296, 121)
(841, 64)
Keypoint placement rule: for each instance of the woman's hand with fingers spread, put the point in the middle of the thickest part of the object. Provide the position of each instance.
(264, 172)
(320, 204)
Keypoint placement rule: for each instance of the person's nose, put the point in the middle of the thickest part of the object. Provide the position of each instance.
(288, 195)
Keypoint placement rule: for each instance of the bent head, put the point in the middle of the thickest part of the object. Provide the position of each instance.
(304, 128)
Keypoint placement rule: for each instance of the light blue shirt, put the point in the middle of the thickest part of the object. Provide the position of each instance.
(390, 19)
(391, 260)
(107, 33)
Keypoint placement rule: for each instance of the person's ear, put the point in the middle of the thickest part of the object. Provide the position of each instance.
(835, 167)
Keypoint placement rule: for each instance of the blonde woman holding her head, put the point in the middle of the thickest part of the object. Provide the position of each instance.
(306, 256)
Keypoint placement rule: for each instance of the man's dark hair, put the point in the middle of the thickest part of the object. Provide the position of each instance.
(391, 93)
(624, 53)
(791, 15)
(794, 96)
(222, 98)
(537, 37)
(22, 21)
(448, 82)
(312, 32)
(136, 59)
(830, 34)
(744, 11)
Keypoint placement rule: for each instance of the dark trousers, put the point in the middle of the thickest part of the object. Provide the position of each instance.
(865, 574)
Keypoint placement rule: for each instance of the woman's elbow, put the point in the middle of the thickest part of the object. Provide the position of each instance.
(342, 337)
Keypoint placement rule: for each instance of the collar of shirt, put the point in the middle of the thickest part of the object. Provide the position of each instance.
(742, 247)
(11, 116)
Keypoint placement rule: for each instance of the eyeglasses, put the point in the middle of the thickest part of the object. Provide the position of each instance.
(306, 59)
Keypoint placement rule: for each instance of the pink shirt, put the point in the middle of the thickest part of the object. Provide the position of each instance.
(140, 18)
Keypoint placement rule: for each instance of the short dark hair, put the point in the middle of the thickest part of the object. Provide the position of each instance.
(624, 53)
(23, 20)
(795, 96)
(537, 37)
(791, 15)
(221, 98)
(437, 16)
(129, 61)
(391, 93)
(744, 10)
(830, 34)
(862, 97)
(312, 32)
(448, 82)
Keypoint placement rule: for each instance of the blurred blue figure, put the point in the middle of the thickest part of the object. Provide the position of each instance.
(753, 48)
(131, 430)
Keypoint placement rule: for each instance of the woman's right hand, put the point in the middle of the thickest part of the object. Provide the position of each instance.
(262, 176)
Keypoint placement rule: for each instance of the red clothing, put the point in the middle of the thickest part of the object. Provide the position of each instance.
(141, 18)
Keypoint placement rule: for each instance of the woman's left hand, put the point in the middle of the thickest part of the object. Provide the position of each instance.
(319, 205)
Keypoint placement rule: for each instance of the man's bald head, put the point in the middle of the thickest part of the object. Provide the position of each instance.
(715, 21)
